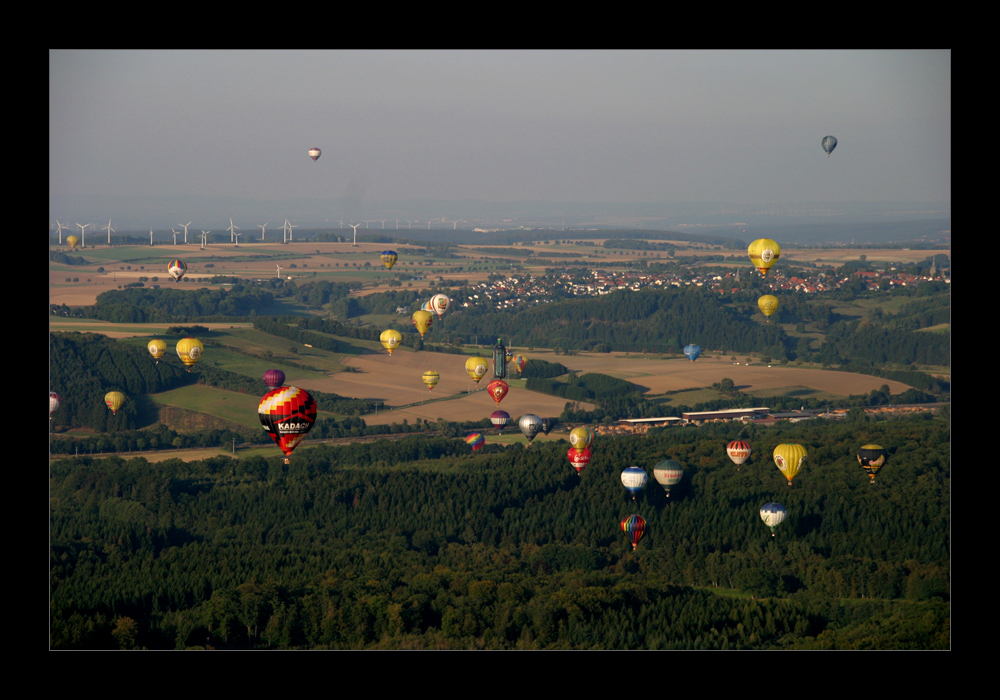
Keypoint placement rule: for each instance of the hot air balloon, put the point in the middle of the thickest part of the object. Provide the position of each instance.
(871, 458)
(768, 304)
(73, 241)
(829, 143)
(274, 378)
(430, 379)
(315, 153)
(738, 451)
(692, 351)
(530, 424)
(772, 514)
(177, 268)
(388, 258)
(520, 361)
(477, 367)
(548, 424)
(580, 438)
(475, 440)
(498, 389)
(157, 348)
(634, 480)
(390, 340)
(54, 402)
(789, 459)
(287, 414)
(634, 527)
(426, 306)
(422, 321)
(578, 459)
(499, 419)
(763, 254)
(668, 472)
(114, 401)
(189, 350)
(439, 304)
(499, 360)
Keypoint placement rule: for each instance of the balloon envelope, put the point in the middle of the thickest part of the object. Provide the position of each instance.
(634, 480)
(390, 339)
(114, 400)
(530, 425)
(499, 418)
(475, 440)
(871, 458)
(315, 153)
(548, 424)
(738, 451)
(54, 402)
(580, 438)
(772, 514)
(768, 304)
(578, 459)
(274, 378)
(388, 258)
(189, 350)
(498, 389)
(287, 414)
(829, 143)
(422, 321)
(73, 241)
(667, 473)
(789, 459)
(177, 268)
(692, 351)
(157, 348)
(763, 254)
(477, 367)
(430, 379)
(634, 527)
(439, 304)
(520, 361)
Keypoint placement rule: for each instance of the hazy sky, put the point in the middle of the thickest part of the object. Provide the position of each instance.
(503, 126)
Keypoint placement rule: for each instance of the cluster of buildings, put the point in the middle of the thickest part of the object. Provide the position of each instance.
(526, 290)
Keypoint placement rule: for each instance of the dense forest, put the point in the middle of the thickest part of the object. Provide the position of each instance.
(420, 543)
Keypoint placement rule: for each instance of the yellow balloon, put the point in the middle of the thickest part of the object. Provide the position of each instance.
(422, 320)
(768, 304)
(763, 254)
(157, 348)
(431, 378)
(789, 458)
(477, 367)
(73, 241)
(114, 400)
(390, 339)
(189, 350)
(580, 438)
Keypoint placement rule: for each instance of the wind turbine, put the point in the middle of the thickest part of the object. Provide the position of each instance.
(279, 270)
(83, 235)
(185, 227)
(284, 232)
(262, 230)
(355, 227)
(175, 236)
(204, 238)
(383, 223)
(237, 239)
(290, 227)
(232, 230)
(109, 230)
(150, 235)
(59, 230)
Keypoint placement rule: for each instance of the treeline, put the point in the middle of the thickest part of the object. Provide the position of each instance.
(660, 321)
(143, 305)
(420, 543)
(57, 256)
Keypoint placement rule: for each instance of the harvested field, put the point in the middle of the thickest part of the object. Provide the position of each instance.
(396, 381)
